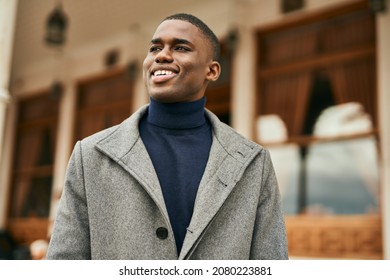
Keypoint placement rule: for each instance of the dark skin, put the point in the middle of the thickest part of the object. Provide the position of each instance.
(179, 64)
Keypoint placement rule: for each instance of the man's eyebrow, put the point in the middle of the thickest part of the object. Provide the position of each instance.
(176, 41)
(182, 41)
(156, 41)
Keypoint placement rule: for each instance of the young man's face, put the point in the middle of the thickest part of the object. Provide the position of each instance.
(179, 63)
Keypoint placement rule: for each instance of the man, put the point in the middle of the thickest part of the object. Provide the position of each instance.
(171, 181)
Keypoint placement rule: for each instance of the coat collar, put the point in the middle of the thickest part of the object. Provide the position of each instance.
(124, 145)
(230, 154)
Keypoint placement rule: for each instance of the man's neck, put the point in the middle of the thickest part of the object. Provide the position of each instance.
(184, 115)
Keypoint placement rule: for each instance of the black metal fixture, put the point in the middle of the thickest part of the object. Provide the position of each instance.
(56, 90)
(111, 58)
(56, 25)
(232, 41)
(377, 6)
(291, 5)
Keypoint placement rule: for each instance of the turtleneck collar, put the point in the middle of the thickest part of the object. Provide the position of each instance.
(177, 115)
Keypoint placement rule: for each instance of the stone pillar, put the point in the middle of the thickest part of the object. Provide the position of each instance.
(243, 84)
(7, 25)
(383, 68)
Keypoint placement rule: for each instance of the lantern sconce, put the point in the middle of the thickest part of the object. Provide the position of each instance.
(377, 6)
(231, 41)
(56, 90)
(288, 6)
(56, 25)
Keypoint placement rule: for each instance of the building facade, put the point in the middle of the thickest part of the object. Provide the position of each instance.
(306, 79)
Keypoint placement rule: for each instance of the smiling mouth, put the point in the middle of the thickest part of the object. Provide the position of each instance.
(162, 73)
(162, 76)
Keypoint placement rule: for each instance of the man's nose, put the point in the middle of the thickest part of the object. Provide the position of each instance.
(164, 55)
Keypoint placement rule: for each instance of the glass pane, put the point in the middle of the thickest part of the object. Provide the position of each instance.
(343, 177)
(105, 91)
(340, 177)
(35, 147)
(31, 198)
(34, 157)
(286, 163)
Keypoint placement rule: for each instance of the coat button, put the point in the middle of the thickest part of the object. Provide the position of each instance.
(162, 233)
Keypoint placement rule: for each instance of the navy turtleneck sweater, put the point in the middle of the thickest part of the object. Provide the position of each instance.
(178, 138)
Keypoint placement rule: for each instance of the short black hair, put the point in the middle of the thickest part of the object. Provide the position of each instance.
(209, 34)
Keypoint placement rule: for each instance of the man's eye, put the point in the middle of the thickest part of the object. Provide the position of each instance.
(181, 48)
(154, 48)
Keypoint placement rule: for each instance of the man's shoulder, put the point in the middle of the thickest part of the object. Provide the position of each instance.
(98, 136)
(126, 127)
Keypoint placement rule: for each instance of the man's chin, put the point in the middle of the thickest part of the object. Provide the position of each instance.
(164, 97)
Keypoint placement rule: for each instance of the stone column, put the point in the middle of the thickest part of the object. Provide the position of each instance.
(7, 26)
(243, 84)
(383, 68)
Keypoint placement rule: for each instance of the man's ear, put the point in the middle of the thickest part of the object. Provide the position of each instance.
(214, 71)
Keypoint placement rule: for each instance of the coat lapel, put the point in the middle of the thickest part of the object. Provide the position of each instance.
(124, 145)
(229, 156)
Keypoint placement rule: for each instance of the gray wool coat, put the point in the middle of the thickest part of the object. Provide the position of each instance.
(112, 204)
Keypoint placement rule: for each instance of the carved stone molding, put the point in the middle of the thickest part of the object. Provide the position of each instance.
(341, 237)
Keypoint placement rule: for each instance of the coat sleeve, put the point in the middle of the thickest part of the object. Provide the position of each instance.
(269, 237)
(70, 239)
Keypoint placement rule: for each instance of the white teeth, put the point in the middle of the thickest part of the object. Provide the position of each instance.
(162, 72)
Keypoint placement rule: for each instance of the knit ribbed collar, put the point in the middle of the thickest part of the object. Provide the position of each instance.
(177, 115)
